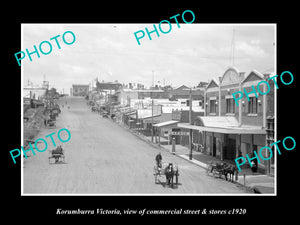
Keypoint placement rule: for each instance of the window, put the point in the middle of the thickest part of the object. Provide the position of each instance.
(213, 106)
(230, 105)
(252, 105)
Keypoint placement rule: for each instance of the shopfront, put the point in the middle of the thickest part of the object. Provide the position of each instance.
(229, 142)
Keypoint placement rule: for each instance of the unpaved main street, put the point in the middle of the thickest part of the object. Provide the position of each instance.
(104, 158)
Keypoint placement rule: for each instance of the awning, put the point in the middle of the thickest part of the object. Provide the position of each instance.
(167, 123)
(130, 113)
(225, 125)
(148, 119)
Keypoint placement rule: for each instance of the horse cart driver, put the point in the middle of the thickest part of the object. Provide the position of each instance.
(158, 159)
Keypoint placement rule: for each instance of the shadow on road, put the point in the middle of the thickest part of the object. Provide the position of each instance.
(164, 184)
(57, 163)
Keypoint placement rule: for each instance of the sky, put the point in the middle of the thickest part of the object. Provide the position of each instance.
(187, 55)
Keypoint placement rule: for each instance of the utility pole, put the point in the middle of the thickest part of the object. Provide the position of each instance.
(232, 46)
(152, 121)
(190, 122)
(152, 78)
(152, 128)
(190, 112)
(152, 104)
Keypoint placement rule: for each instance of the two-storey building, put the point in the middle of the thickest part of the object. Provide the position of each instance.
(232, 129)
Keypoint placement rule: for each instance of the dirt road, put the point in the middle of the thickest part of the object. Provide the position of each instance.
(104, 158)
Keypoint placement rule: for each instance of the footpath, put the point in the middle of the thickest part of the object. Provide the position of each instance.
(253, 182)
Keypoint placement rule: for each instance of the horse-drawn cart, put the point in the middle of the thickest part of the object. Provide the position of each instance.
(57, 154)
(167, 169)
(219, 169)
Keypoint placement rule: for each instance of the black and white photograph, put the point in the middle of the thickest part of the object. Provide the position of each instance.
(143, 109)
(165, 112)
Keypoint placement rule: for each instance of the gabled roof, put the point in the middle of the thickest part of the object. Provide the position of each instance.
(253, 73)
(213, 83)
(181, 87)
(184, 90)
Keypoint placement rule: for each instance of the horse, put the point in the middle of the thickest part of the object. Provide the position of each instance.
(231, 170)
(169, 172)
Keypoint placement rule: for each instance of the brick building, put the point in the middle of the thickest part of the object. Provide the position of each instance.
(231, 129)
(80, 89)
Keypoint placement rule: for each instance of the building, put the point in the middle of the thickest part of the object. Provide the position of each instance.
(110, 87)
(127, 96)
(231, 130)
(183, 92)
(36, 92)
(80, 89)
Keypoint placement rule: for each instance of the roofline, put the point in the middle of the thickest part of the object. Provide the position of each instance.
(212, 80)
(256, 72)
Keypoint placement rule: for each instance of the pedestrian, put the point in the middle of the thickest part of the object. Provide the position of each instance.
(45, 122)
(253, 164)
(158, 159)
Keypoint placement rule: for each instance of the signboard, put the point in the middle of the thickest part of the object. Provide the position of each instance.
(181, 133)
(26, 101)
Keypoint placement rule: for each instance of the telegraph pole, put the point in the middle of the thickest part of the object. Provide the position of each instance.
(152, 104)
(152, 133)
(191, 131)
(190, 112)
(191, 123)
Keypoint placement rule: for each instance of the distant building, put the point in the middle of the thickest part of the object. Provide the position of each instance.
(108, 86)
(80, 89)
(183, 92)
(34, 92)
(126, 96)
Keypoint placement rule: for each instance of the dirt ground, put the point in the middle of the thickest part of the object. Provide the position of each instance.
(104, 158)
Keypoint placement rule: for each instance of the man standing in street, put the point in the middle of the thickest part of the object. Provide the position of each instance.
(158, 159)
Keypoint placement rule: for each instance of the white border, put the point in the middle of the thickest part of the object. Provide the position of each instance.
(158, 194)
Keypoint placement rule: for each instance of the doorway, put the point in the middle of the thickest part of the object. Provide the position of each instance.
(214, 146)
